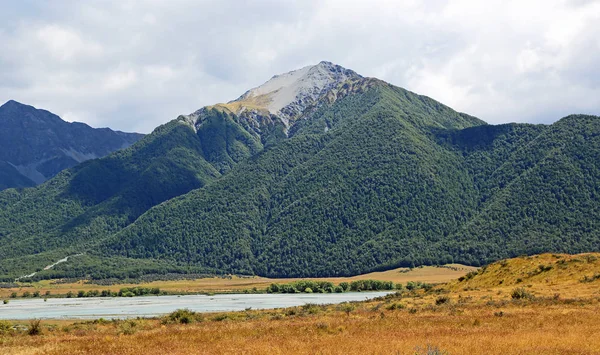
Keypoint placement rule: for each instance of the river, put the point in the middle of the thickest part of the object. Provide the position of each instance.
(151, 306)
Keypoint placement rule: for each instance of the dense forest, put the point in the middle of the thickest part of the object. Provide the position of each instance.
(378, 178)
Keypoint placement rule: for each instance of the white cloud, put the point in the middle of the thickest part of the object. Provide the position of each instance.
(133, 65)
(64, 44)
(120, 79)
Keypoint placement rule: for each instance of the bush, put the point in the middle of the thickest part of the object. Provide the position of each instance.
(410, 285)
(347, 308)
(182, 316)
(35, 327)
(520, 293)
(5, 327)
(5, 302)
(13, 295)
(442, 300)
(471, 275)
(311, 308)
(220, 317)
(395, 306)
(128, 327)
(308, 290)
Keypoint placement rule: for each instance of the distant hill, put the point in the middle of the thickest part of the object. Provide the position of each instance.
(318, 172)
(35, 144)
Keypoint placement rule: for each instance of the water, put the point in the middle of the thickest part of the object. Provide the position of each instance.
(151, 306)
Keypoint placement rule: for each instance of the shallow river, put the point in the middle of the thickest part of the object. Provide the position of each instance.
(150, 306)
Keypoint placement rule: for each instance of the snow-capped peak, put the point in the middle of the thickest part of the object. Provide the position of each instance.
(288, 94)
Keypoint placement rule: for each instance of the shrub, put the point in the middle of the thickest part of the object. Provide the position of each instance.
(36, 294)
(590, 278)
(442, 300)
(411, 285)
(35, 327)
(5, 302)
(128, 327)
(220, 317)
(26, 294)
(347, 308)
(471, 274)
(308, 290)
(311, 308)
(520, 293)
(395, 306)
(291, 312)
(5, 327)
(183, 316)
(13, 295)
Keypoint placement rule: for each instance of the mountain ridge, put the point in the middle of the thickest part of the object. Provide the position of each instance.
(366, 176)
(38, 144)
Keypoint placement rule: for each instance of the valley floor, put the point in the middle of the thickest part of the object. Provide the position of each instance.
(548, 304)
(428, 274)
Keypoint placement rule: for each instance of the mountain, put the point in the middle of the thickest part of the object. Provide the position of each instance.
(35, 144)
(318, 172)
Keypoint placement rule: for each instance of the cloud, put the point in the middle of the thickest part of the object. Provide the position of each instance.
(133, 65)
(64, 44)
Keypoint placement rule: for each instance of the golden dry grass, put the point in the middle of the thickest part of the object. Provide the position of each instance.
(469, 329)
(480, 317)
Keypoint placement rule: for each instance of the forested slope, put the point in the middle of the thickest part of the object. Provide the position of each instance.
(370, 177)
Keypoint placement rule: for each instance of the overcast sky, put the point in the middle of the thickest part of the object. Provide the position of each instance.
(132, 65)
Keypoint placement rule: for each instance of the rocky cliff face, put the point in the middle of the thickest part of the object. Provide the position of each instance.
(289, 95)
(285, 98)
(35, 144)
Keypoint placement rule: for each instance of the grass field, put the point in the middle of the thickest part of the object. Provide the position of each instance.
(547, 304)
(429, 274)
